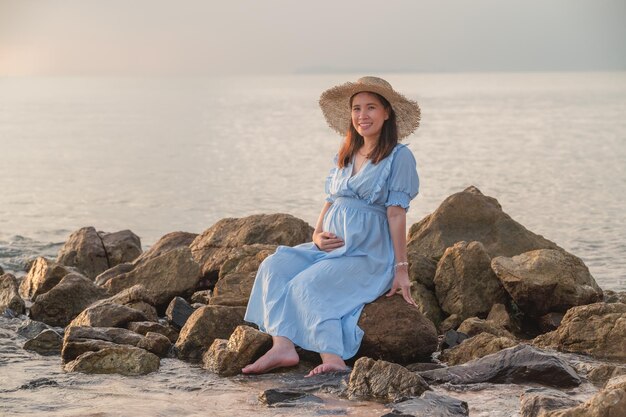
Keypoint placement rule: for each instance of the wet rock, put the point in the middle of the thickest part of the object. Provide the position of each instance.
(602, 373)
(78, 340)
(48, 342)
(549, 322)
(284, 397)
(124, 360)
(85, 251)
(204, 326)
(536, 401)
(470, 215)
(113, 272)
(520, 364)
(9, 294)
(167, 243)
(66, 300)
(421, 268)
(427, 303)
(464, 282)
(452, 338)
(383, 381)
(597, 329)
(546, 280)
(411, 336)
(475, 347)
(233, 289)
(155, 343)
(609, 402)
(171, 274)
(42, 277)
(38, 383)
(31, 328)
(432, 405)
(178, 311)
(243, 347)
(214, 245)
(107, 315)
(474, 326)
(201, 297)
(610, 296)
(143, 327)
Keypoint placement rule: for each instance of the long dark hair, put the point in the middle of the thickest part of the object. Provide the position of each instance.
(387, 140)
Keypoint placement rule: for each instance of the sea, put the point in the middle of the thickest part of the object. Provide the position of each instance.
(157, 155)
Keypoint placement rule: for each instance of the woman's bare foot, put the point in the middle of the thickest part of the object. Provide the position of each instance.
(281, 355)
(330, 363)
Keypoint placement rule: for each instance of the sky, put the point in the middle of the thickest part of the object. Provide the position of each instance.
(157, 37)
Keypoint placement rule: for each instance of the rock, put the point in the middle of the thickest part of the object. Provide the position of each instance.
(201, 297)
(450, 323)
(1, 271)
(124, 360)
(42, 277)
(48, 342)
(475, 347)
(285, 397)
(243, 347)
(536, 401)
(519, 364)
(60, 305)
(178, 311)
(500, 316)
(204, 326)
(452, 338)
(421, 268)
(597, 329)
(474, 326)
(113, 272)
(169, 242)
(383, 381)
(610, 402)
(85, 251)
(233, 289)
(411, 336)
(31, 328)
(546, 280)
(432, 405)
(245, 259)
(423, 366)
(143, 327)
(614, 297)
(471, 216)
(148, 310)
(603, 372)
(107, 315)
(427, 303)
(171, 274)
(136, 293)
(9, 294)
(464, 282)
(214, 245)
(549, 322)
(155, 343)
(121, 247)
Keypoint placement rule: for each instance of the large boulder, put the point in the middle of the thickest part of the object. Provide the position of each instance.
(124, 360)
(427, 303)
(520, 364)
(245, 345)
(60, 305)
(464, 282)
(42, 276)
(383, 381)
(597, 329)
(214, 245)
(396, 331)
(475, 347)
(113, 272)
(171, 274)
(472, 216)
(546, 280)
(121, 247)
(204, 326)
(107, 315)
(167, 243)
(48, 342)
(9, 294)
(422, 269)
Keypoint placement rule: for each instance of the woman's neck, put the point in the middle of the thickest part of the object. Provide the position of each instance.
(369, 144)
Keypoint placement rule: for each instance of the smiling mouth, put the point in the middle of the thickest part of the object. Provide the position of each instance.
(365, 125)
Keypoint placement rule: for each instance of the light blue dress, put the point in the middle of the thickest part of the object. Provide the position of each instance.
(315, 298)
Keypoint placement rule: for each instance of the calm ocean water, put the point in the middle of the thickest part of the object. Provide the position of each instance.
(159, 155)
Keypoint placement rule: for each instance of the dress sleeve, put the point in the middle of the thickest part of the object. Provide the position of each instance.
(331, 175)
(403, 183)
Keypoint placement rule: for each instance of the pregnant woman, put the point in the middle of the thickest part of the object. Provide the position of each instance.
(312, 295)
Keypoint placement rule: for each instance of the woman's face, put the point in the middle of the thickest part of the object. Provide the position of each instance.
(368, 114)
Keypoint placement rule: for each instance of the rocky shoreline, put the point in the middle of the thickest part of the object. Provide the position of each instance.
(498, 304)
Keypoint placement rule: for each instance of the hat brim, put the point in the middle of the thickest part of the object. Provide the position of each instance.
(335, 104)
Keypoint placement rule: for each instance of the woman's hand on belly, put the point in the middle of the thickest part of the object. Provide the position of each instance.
(327, 241)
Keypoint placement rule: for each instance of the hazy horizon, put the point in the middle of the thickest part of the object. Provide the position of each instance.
(86, 37)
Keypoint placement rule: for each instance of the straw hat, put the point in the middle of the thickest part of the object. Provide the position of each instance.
(335, 104)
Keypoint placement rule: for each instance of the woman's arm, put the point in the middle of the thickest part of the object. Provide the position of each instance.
(325, 241)
(397, 228)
